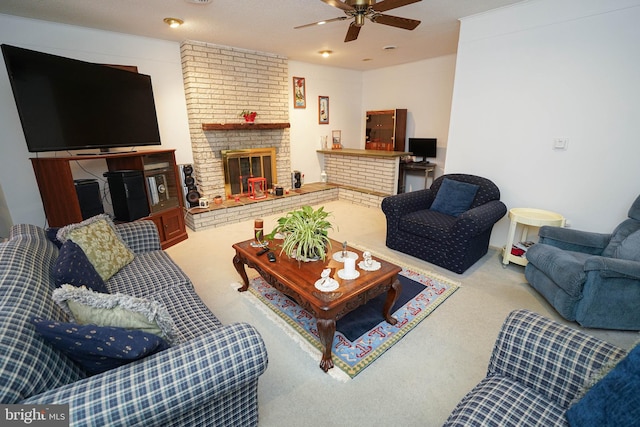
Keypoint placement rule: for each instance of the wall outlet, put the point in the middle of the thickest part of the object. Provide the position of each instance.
(560, 144)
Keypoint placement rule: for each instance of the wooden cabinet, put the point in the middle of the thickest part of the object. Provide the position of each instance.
(386, 130)
(162, 187)
(170, 224)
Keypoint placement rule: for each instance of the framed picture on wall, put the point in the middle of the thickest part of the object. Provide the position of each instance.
(323, 110)
(299, 93)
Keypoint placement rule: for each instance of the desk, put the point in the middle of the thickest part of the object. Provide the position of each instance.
(427, 168)
(527, 217)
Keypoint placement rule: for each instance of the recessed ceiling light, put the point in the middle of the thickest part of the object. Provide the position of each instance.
(325, 53)
(173, 22)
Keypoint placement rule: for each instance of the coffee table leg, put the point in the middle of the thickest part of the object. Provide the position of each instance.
(392, 296)
(326, 330)
(239, 265)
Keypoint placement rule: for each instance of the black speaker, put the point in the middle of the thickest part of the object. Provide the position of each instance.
(128, 194)
(88, 191)
(191, 194)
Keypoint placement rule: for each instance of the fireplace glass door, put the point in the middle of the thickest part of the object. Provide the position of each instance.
(240, 165)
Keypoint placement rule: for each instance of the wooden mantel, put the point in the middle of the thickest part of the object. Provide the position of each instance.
(365, 153)
(244, 126)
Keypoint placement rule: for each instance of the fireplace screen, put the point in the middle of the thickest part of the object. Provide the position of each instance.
(240, 165)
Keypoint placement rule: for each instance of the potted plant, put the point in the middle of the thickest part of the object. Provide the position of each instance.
(304, 233)
(249, 116)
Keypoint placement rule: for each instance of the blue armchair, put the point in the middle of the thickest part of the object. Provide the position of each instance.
(590, 278)
(438, 226)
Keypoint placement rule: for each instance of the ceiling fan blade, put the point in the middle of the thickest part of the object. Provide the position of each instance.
(352, 33)
(326, 21)
(339, 4)
(395, 21)
(385, 5)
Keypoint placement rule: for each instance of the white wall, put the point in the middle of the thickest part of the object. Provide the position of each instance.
(344, 89)
(160, 59)
(424, 88)
(546, 69)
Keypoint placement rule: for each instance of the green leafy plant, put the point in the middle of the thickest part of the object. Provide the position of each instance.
(304, 232)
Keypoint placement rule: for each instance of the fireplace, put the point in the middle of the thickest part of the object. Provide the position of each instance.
(242, 164)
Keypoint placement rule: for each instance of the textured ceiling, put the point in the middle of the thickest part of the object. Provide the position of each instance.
(268, 26)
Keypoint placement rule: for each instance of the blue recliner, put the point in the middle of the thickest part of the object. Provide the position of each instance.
(590, 278)
(448, 224)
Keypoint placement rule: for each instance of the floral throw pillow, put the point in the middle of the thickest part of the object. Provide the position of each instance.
(72, 267)
(100, 243)
(99, 348)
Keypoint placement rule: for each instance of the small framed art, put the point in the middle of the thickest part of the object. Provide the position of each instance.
(323, 110)
(299, 93)
(336, 136)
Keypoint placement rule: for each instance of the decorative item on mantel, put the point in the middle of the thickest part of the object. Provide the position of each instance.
(249, 116)
(336, 136)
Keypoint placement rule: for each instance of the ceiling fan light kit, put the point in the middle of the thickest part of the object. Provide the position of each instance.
(370, 9)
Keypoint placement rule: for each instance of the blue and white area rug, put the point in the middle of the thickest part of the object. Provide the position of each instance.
(362, 335)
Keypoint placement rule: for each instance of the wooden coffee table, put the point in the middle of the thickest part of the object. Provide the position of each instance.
(297, 280)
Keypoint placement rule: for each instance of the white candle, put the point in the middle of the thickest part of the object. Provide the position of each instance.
(349, 267)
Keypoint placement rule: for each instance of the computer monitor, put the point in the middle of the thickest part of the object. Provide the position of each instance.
(423, 147)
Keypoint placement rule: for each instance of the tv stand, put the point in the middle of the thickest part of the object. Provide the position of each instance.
(60, 201)
(105, 153)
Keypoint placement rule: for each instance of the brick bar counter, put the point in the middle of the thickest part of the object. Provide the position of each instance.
(366, 170)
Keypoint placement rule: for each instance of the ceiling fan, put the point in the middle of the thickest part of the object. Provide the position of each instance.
(370, 9)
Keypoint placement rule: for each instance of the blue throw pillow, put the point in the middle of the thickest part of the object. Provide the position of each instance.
(614, 400)
(99, 348)
(454, 197)
(74, 268)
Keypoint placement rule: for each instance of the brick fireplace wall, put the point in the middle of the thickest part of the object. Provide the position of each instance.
(219, 83)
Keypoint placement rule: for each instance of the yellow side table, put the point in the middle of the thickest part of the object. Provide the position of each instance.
(527, 217)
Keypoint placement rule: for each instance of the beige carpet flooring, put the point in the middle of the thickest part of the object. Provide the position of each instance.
(415, 383)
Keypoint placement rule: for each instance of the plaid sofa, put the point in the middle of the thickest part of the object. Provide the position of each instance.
(209, 378)
(536, 369)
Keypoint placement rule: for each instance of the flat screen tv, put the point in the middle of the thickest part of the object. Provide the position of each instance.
(66, 104)
(423, 147)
